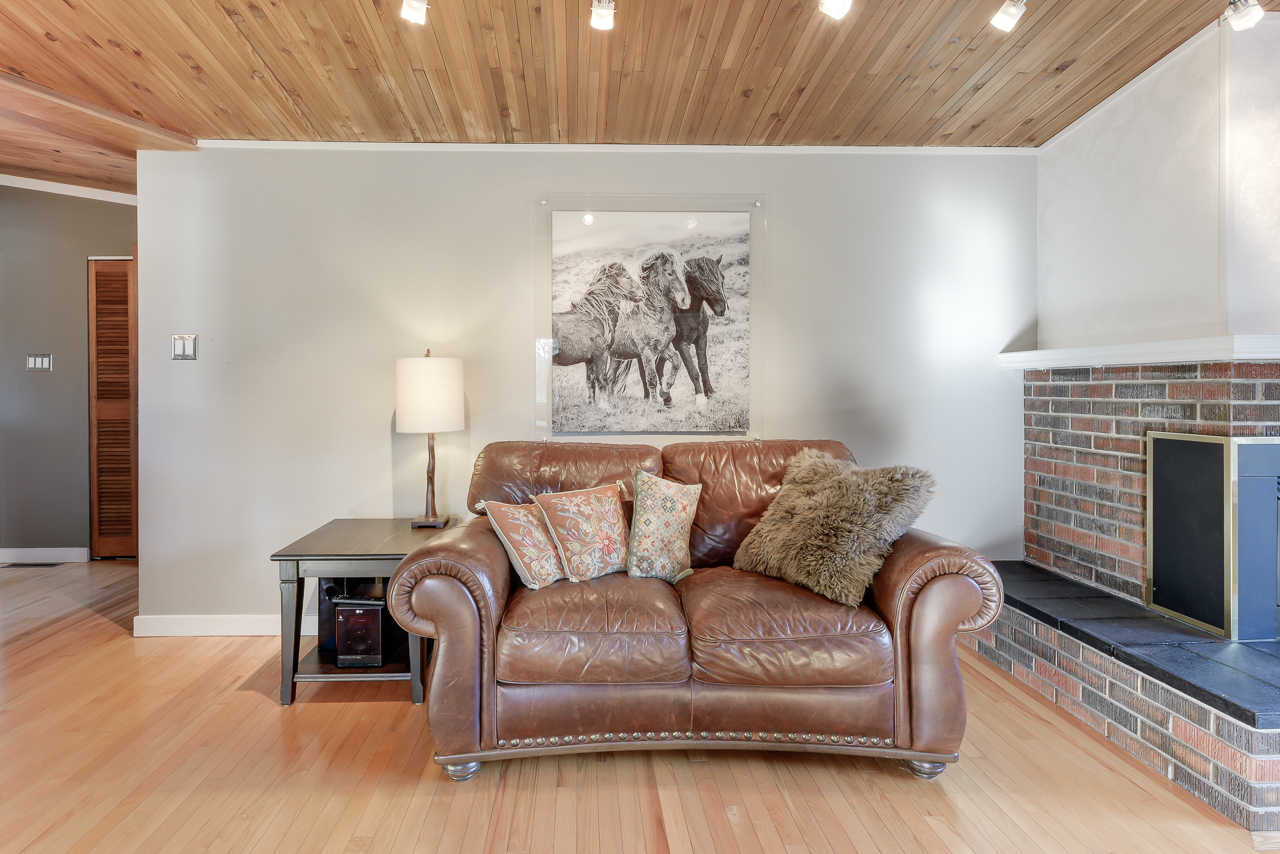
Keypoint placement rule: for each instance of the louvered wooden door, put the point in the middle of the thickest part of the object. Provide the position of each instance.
(113, 408)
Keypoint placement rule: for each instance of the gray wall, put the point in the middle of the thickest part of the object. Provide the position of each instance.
(44, 418)
(893, 280)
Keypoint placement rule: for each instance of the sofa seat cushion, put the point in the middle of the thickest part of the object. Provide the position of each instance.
(750, 629)
(611, 629)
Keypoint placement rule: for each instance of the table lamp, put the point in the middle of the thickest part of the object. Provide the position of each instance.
(429, 400)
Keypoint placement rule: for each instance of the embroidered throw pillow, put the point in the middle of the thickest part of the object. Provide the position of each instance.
(523, 532)
(589, 530)
(663, 517)
(832, 524)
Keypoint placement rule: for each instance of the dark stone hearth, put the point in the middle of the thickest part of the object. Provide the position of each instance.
(1124, 632)
(1058, 588)
(1097, 607)
(1241, 680)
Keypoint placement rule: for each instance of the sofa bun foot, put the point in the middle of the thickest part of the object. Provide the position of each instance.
(463, 771)
(926, 770)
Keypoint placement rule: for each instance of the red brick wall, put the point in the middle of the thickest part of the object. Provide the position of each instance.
(1086, 456)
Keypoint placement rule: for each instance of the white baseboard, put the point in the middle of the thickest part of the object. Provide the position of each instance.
(44, 555)
(213, 625)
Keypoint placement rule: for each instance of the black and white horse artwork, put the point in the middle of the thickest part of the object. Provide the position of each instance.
(666, 291)
(585, 332)
(645, 332)
(619, 320)
(705, 281)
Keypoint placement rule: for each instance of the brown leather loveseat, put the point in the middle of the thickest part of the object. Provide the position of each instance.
(723, 659)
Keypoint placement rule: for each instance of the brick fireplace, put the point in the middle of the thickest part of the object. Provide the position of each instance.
(1085, 459)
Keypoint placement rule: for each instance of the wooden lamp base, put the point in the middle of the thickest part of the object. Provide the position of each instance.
(430, 517)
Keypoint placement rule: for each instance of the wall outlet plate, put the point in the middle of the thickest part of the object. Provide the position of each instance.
(39, 361)
(184, 347)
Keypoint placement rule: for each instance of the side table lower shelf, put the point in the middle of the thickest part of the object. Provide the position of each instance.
(320, 665)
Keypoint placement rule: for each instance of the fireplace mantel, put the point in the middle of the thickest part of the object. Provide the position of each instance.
(1220, 348)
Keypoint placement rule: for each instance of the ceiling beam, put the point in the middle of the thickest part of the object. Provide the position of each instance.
(81, 119)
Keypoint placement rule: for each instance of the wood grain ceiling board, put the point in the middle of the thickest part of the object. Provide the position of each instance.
(31, 151)
(732, 72)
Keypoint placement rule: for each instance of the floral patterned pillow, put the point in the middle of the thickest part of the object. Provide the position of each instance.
(523, 532)
(660, 528)
(589, 530)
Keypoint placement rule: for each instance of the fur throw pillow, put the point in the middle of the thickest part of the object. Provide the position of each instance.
(832, 524)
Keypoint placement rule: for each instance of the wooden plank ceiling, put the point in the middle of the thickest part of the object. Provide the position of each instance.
(733, 72)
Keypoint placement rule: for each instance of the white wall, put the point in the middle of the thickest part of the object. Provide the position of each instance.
(1128, 210)
(1160, 210)
(893, 280)
(1253, 176)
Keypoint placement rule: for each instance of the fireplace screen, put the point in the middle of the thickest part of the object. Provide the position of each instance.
(1212, 512)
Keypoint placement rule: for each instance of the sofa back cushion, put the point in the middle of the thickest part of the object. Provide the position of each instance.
(514, 472)
(739, 480)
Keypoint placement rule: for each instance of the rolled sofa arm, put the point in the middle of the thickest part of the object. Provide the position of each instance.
(927, 590)
(454, 589)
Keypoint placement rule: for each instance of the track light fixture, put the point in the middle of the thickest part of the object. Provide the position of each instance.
(1009, 14)
(1243, 14)
(602, 14)
(414, 10)
(835, 8)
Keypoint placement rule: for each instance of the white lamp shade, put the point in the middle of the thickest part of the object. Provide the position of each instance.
(429, 395)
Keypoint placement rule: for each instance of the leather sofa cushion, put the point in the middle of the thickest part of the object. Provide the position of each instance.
(610, 629)
(514, 472)
(739, 481)
(750, 629)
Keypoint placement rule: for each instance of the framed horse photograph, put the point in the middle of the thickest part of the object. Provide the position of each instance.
(650, 322)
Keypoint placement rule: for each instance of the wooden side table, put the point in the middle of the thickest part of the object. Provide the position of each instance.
(344, 548)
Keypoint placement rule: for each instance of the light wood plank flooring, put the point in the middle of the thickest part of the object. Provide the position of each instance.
(108, 743)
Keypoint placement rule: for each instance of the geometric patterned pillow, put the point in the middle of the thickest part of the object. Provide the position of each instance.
(589, 530)
(524, 535)
(660, 526)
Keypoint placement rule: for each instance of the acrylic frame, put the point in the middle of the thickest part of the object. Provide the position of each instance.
(545, 205)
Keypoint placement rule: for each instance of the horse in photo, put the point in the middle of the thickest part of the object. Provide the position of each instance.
(645, 331)
(705, 281)
(586, 331)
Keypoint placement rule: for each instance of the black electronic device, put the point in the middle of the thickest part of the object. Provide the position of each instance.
(358, 630)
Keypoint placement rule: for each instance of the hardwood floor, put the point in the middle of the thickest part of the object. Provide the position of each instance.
(108, 743)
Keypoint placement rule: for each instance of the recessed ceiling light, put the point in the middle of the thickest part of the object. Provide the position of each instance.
(835, 8)
(1009, 14)
(1243, 14)
(414, 10)
(692, 223)
(588, 219)
(602, 14)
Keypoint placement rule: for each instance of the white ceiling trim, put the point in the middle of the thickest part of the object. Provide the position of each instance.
(597, 148)
(68, 190)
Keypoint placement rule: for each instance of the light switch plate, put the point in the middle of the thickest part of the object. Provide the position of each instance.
(184, 347)
(39, 361)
